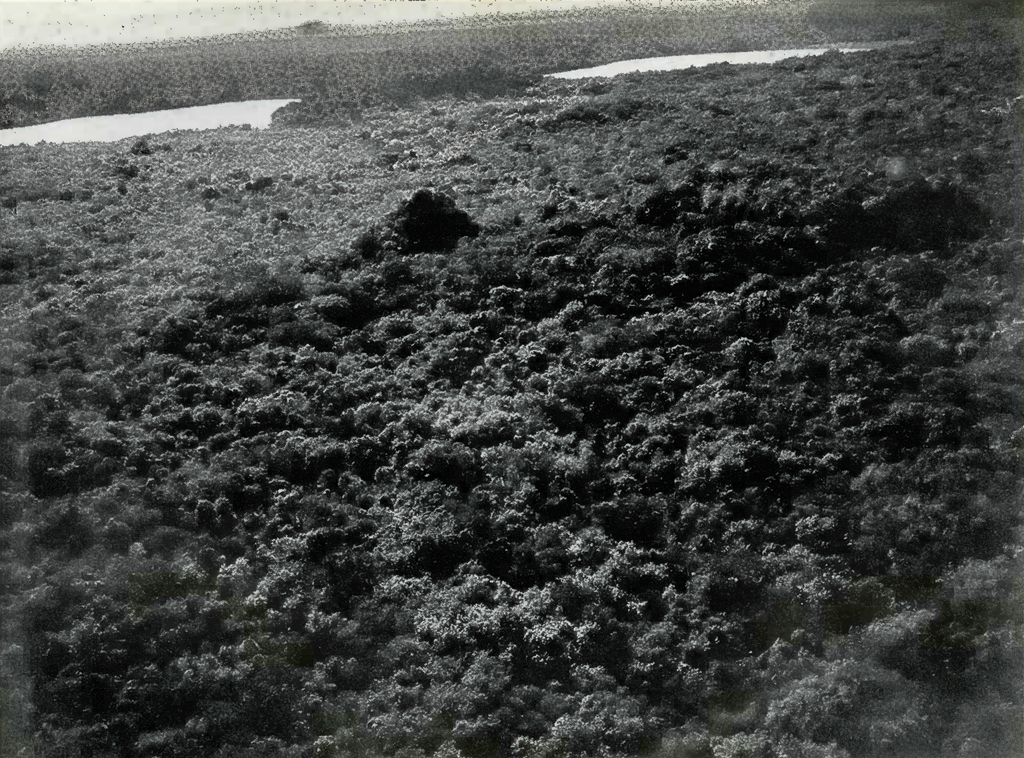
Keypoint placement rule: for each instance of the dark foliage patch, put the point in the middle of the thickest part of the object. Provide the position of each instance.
(431, 222)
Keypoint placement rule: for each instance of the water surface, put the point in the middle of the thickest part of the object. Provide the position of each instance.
(256, 113)
(673, 62)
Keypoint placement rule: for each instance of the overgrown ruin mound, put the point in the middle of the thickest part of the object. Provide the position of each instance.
(427, 222)
(430, 222)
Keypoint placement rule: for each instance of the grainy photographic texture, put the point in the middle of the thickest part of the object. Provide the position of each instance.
(369, 392)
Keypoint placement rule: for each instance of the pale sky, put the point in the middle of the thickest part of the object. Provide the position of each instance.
(77, 22)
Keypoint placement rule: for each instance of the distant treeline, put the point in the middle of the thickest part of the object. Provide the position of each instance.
(333, 69)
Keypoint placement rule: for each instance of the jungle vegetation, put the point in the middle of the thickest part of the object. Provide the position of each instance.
(676, 414)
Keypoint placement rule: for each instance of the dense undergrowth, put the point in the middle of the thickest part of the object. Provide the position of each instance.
(673, 414)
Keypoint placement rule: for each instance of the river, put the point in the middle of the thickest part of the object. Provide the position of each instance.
(673, 62)
(256, 113)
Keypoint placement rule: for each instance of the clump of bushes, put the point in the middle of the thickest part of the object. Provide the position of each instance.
(259, 184)
(431, 222)
(427, 222)
(663, 206)
(126, 170)
(141, 147)
(923, 214)
(264, 290)
(915, 215)
(603, 110)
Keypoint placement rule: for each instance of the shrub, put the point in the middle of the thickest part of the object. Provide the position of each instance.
(65, 528)
(447, 462)
(712, 259)
(927, 350)
(368, 244)
(351, 308)
(298, 333)
(126, 170)
(141, 147)
(175, 333)
(853, 705)
(431, 222)
(580, 113)
(922, 214)
(259, 184)
(263, 291)
(918, 279)
(43, 462)
(637, 519)
(663, 206)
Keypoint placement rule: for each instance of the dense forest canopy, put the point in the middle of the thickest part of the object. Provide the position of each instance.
(676, 414)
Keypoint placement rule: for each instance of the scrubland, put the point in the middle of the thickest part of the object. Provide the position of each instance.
(675, 414)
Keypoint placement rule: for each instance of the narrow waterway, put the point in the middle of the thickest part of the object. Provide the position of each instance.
(673, 62)
(256, 113)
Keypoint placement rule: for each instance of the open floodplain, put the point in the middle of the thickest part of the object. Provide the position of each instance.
(676, 413)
